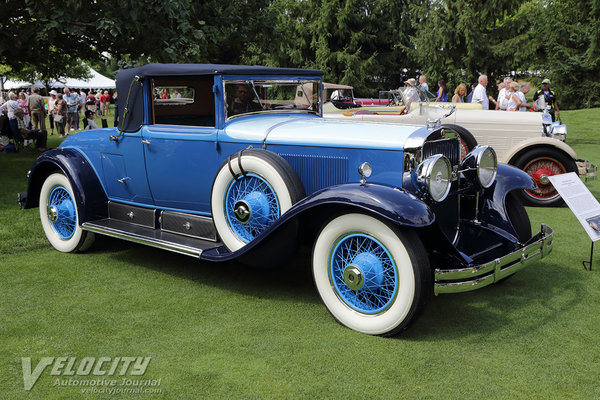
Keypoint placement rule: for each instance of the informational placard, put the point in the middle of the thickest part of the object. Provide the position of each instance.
(581, 202)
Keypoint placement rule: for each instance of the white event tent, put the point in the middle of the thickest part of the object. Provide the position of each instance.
(97, 81)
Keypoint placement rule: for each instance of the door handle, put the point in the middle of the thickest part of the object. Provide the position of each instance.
(145, 141)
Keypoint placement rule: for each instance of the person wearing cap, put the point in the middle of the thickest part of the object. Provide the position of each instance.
(51, 103)
(549, 99)
(40, 135)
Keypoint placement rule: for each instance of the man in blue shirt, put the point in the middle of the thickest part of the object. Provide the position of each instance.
(72, 115)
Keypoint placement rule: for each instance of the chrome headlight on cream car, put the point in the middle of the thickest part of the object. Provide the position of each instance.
(481, 165)
(434, 176)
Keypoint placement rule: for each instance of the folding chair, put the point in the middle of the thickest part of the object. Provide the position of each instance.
(18, 141)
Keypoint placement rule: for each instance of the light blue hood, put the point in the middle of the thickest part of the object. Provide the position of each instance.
(322, 132)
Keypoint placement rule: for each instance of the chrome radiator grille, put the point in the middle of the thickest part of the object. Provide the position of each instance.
(450, 148)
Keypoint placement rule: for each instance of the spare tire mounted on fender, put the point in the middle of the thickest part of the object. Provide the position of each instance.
(252, 189)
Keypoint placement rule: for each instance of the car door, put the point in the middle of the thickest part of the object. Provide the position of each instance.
(180, 143)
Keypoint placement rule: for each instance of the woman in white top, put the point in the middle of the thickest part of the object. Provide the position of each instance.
(513, 100)
(10, 106)
(51, 102)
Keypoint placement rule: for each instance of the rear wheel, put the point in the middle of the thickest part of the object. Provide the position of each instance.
(60, 217)
(373, 278)
(540, 163)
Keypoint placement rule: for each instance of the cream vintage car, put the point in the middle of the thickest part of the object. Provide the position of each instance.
(523, 139)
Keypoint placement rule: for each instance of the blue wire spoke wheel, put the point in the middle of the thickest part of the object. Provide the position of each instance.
(264, 188)
(363, 273)
(373, 277)
(59, 216)
(61, 212)
(251, 205)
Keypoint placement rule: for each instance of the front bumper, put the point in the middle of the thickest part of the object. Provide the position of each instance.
(477, 276)
(587, 170)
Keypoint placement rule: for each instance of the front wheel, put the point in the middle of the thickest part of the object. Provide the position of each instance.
(59, 216)
(373, 278)
(518, 217)
(540, 163)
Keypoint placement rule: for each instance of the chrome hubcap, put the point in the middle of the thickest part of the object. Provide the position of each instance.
(52, 213)
(544, 180)
(353, 277)
(242, 211)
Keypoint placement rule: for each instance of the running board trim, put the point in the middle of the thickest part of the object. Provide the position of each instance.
(118, 229)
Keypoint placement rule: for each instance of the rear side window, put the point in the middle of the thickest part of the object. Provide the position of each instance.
(183, 101)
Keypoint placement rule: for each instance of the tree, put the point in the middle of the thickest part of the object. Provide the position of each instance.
(565, 37)
(457, 40)
(355, 42)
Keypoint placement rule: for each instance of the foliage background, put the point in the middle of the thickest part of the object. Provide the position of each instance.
(370, 44)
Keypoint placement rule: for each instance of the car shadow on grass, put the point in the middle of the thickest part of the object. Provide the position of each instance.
(540, 295)
(292, 281)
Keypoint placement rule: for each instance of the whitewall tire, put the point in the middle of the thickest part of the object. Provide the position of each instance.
(373, 278)
(59, 216)
(246, 203)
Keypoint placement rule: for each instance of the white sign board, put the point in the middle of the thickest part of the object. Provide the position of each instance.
(579, 199)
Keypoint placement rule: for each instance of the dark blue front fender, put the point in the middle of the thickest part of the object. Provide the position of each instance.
(508, 179)
(395, 205)
(90, 197)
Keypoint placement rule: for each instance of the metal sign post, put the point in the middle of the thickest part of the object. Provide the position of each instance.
(591, 259)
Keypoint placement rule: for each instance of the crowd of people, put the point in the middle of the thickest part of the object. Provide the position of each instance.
(25, 112)
(511, 95)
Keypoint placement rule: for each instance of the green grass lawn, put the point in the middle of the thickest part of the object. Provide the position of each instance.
(227, 331)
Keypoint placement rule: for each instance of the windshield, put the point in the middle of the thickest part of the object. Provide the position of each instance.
(272, 96)
(409, 96)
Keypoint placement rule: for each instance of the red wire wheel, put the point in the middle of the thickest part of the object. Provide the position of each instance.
(540, 169)
(541, 163)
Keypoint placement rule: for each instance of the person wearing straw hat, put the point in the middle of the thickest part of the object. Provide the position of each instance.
(410, 91)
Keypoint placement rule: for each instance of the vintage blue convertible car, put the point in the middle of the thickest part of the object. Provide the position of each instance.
(225, 162)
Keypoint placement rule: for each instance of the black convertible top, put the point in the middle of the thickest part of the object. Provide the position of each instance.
(136, 106)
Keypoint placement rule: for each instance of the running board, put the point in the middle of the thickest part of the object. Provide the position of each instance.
(186, 245)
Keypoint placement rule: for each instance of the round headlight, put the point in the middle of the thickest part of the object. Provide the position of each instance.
(480, 166)
(435, 176)
(365, 169)
(487, 166)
